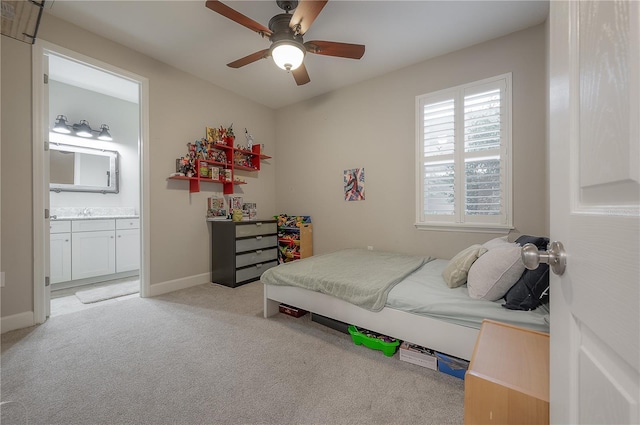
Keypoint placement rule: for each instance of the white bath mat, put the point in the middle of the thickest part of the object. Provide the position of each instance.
(107, 292)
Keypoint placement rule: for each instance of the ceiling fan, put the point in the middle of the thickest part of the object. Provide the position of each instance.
(285, 33)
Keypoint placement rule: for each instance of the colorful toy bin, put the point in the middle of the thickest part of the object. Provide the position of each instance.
(373, 340)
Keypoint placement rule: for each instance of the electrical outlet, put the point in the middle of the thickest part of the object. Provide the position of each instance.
(370, 248)
(1, 279)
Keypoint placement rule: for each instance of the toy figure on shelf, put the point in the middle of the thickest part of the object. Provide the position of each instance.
(249, 138)
(213, 135)
(226, 135)
(189, 161)
(240, 159)
(201, 149)
(187, 167)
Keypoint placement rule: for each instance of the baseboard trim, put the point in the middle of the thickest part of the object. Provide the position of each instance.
(17, 321)
(174, 285)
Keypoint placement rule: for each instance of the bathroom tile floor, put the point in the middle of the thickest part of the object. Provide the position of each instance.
(64, 301)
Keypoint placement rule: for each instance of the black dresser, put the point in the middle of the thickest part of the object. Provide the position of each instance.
(242, 250)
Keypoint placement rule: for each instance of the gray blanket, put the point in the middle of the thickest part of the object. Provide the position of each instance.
(359, 276)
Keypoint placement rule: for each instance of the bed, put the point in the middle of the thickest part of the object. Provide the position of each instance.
(444, 319)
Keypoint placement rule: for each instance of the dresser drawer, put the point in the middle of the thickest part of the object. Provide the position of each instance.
(127, 223)
(253, 272)
(254, 229)
(92, 225)
(257, 242)
(258, 256)
(59, 227)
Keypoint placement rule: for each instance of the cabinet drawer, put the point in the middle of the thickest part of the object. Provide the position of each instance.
(253, 272)
(92, 225)
(127, 223)
(257, 242)
(259, 256)
(254, 229)
(59, 226)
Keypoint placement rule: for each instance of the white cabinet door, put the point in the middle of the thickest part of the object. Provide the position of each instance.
(127, 250)
(94, 254)
(60, 257)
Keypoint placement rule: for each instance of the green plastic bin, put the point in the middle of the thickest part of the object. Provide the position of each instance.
(388, 348)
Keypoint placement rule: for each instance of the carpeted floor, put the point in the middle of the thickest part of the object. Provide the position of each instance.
(205, 355)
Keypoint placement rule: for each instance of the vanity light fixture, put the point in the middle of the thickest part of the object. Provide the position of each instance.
(82, 129)
(61, 125)
(104, 133)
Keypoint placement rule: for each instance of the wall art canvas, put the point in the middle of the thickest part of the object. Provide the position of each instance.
(354, 184)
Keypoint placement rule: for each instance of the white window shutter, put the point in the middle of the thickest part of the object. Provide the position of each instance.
(464, 171)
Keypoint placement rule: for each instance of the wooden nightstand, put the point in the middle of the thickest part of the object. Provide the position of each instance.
(508, 378)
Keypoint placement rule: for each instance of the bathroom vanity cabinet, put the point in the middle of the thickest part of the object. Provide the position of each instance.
(93, 248)
(60, 250)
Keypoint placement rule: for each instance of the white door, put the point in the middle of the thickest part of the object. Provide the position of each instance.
(594, 211)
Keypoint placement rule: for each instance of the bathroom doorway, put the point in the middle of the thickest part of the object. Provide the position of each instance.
(94, 119)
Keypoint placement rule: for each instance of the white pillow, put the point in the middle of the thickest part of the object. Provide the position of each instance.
(455, 273)
(494, 243)
(493, 274)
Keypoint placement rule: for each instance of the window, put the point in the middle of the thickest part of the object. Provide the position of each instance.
(464, 157)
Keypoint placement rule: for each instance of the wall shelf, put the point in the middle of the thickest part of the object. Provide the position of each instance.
(236, 160)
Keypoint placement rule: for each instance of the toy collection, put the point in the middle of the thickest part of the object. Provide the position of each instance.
(289, 242)
(216, 208)
(206, 149)
(214, 147)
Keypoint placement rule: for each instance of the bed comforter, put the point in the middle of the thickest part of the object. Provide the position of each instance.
(358, 276)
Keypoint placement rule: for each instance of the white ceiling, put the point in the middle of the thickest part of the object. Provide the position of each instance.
(190, 37)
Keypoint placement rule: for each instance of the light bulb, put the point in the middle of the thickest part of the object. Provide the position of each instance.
(287, 56)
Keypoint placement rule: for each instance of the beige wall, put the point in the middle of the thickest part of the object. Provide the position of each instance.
(181, 106)
(372, 125)
(17, 224)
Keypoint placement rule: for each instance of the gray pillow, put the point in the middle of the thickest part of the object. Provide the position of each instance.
(455, 273)
(493, 274)
(497, 242)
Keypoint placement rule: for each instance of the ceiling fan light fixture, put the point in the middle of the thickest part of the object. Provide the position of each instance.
(287, 54)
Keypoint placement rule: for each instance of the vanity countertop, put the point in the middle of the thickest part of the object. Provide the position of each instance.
(97, 217)
(92, 213)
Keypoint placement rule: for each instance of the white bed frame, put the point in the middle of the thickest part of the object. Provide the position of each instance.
(431, 333)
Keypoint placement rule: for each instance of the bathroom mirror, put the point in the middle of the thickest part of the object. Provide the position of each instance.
(81, 169)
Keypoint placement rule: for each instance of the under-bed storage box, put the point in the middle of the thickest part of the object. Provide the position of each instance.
(452, 365)
(418, 355)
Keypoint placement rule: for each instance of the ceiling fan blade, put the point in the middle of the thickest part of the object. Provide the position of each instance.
(306, 12)
(238, 17)
(301, 75)
(333, 48)
(249, 59)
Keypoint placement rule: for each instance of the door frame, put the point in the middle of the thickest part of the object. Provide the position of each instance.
(40, 191)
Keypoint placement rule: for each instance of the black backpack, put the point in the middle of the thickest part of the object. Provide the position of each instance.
(532, 289)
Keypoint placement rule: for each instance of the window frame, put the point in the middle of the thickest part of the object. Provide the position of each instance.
(459, 221)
